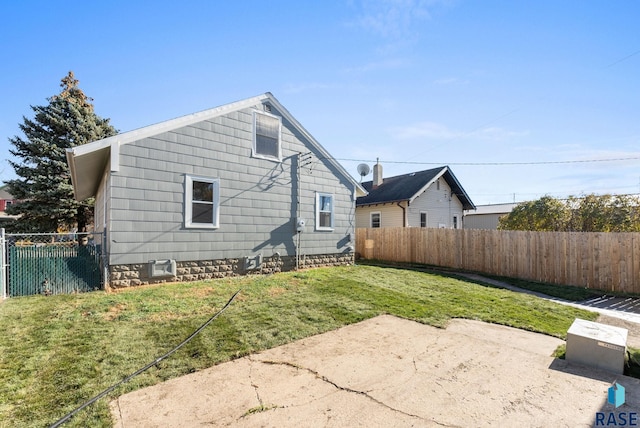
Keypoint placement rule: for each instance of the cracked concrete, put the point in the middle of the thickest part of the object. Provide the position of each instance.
(385, 372)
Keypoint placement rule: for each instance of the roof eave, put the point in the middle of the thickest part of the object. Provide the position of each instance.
(366, 204)
(89, 165)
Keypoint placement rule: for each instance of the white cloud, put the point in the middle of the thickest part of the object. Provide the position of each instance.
(425, 130)
(296, 88)
(497, 134)
(392, 18)
(438, 131)
(389, 64)
(451, 81)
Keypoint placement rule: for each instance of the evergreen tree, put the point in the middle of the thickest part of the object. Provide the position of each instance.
(43, 189)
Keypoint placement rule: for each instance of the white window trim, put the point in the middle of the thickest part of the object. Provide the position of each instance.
(254, 152)
(188, 211)
(333, 208)
(371, 218)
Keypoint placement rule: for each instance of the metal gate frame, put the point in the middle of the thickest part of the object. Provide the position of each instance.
(3, 264)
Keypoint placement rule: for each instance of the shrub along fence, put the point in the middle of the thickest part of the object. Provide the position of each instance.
(603, 261)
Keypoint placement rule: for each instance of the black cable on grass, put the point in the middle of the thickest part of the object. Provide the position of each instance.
(145, 368)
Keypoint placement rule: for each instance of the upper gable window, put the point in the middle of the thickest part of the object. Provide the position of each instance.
(202, 202)
(266, 136)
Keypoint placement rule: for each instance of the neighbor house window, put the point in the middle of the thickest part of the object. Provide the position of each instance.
(202, 196)
(266, 138)
(375, 219)
(324, 211)
(455, 221)
(423, 219)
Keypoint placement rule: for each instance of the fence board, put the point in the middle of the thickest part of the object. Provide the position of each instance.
(604, 261)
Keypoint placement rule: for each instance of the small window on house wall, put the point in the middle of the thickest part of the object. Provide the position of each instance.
(423, 219)
(324, 211)
(266, 136)
(455, 221)
(202, 196)
(375, 219)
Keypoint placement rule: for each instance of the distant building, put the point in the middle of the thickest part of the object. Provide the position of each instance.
(6, 199)
(486, 216)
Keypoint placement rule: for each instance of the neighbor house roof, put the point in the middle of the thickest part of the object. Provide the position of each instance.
(88, 162)
(408, 187)
(4, 194)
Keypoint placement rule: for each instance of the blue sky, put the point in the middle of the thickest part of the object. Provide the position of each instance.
(521, 99)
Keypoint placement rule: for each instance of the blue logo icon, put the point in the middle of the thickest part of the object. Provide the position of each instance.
(615, 395)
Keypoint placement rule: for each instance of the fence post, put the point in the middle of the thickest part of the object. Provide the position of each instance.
(105, 260)
(3, 265)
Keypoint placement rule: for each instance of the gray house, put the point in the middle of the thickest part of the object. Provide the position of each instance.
(236, 189)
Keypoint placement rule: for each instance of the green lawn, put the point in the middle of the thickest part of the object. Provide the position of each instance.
(57, 352)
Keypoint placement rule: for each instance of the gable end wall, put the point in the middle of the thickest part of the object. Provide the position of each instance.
(258, 197)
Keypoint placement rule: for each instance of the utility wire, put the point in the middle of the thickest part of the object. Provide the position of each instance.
(496, 163)
(145, 368)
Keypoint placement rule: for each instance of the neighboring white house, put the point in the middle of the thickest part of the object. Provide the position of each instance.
(432, 198)
(235, 189)
(486, 216)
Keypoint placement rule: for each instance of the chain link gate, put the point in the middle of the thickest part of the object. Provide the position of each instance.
(52, 263)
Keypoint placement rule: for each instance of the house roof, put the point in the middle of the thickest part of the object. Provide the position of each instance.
(408, 187)
(4, 194)
(88, 162)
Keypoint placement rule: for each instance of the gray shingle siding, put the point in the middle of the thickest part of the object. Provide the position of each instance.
(257, 196)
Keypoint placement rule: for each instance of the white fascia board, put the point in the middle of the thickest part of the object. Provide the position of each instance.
(115, 156)
(453, 177)
(72, 169)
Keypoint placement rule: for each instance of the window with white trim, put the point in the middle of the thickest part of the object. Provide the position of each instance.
(202, 196)
(266, 136)
(375, 219)
(324, 211)
(423, 219)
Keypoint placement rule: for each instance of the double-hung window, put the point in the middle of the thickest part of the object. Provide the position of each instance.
(423, 219)
(375, 219)
(266, 136)
(324, 211)
(202, 198)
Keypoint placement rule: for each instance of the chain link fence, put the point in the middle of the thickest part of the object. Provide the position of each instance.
(52, 263)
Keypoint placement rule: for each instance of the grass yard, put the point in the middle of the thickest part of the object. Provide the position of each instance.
(57, 352)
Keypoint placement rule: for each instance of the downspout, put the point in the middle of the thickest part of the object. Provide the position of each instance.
(404, 214)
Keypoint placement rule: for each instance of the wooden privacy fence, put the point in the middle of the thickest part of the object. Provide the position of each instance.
(603, 261)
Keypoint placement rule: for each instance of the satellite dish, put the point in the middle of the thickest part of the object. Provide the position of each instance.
(363, 169)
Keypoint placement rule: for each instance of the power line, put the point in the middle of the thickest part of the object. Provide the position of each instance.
(496, 163)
